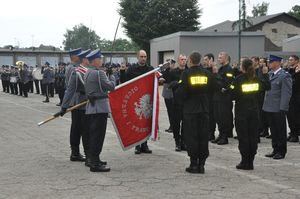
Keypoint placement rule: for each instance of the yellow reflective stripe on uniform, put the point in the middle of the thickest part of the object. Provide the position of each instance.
(231, 86)
(229, 75)
(198, 80)
(250, 87)
(179, 81)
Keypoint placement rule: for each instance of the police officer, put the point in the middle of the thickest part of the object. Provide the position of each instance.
(75, 61)
(246, 90)
(46, 80)
(133, 71)
(97, 84)
(196, 84)
(60, 82)
(5, 78)
(209, 63)
(276, 104)
(222, 100)
(177, 117)
(14, 80)
(75, 94)
(293, 113)
(24, 79)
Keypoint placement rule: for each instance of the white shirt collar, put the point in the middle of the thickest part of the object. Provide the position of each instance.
(275, 72)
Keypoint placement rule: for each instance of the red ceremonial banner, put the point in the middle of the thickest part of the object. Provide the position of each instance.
(132, 111)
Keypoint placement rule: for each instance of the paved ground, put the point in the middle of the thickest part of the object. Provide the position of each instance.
(35, 163)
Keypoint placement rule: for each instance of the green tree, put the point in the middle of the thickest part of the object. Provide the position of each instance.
(120, 45)
(81, 36)
(145, 19)
(295, 11)
(260, 9)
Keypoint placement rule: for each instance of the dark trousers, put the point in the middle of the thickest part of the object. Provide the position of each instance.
(61, 93)
(263, 122)
(212, 121)
(46, 90)
(177, 123)
(247, 130)
(169, 105)
(224, 117)
(43, 89)
(30, 86)
(293, 117)
(277, 123)
(24, 89)
(5, 85)
(51, 89)
(196, 134)
(79, 128)
(12, 91)
(97, 131)
(37, 86)
(15, 88)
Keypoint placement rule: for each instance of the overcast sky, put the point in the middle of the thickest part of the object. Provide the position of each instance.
(27, 22)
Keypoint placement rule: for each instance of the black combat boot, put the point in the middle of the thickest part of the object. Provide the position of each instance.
(137, 149)
(201, 165)
(244, 164)
(251, 160)
(177, 145)
(194, 166)
(46, 100)
(96, 166)
(76, 156)
(145, 148)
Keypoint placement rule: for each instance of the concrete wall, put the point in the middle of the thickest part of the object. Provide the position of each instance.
(252, 44)
(164, 44)
(292, 44)
(32, 58)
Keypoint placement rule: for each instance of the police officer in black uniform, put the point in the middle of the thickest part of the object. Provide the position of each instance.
(177, 117)
(293, 114)
(222, 100)
(134, 71)
(246, 91)
(194, 89)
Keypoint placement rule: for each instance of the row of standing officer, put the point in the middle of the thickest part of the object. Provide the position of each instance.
(86, 79)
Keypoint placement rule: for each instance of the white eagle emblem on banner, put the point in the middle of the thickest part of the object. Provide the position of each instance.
(143, 108)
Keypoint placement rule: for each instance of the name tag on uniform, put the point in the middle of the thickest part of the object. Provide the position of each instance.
(250, 87)
(229, 75)
(198, 80)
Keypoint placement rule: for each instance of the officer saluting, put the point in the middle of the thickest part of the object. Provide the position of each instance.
(196, 85)
(97, 84)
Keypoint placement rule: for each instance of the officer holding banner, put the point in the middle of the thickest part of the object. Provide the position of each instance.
(134, 71)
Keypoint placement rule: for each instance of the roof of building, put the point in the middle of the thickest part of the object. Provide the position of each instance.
(226, 26)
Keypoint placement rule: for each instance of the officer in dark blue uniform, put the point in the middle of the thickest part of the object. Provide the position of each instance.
(246, 92)
(196, 85)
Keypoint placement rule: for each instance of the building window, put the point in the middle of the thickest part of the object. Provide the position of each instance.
(274, 30)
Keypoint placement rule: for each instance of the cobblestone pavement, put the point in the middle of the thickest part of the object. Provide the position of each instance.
(35, 163)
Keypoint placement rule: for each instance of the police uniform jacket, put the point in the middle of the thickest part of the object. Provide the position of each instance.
(24, 76)
(75, 91)
(278, 97)
(46, 75)
(194, 89)
(246, 93)
(224, 80)
(69, 69)
(97, 84)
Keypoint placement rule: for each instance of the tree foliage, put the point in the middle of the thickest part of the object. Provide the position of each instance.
(295, 11)
(260, 9)
(82, 37)
(148, 19)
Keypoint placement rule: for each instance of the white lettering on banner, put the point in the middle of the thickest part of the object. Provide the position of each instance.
(125, 101)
